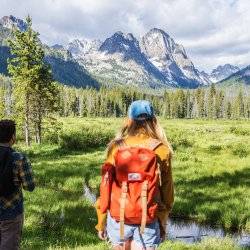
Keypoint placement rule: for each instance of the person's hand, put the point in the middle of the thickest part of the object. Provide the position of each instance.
(102, 235)
(163, 237)
(162, 232)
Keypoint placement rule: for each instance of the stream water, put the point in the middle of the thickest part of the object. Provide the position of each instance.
(189, 231)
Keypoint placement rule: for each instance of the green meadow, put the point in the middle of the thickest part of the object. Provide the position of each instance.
(211, 168)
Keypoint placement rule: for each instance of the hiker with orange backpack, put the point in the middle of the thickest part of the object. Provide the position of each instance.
(136, 191)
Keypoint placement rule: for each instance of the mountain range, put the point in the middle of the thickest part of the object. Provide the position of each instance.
(153, 61)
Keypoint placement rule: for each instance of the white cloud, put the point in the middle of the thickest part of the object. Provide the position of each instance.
(213, 31)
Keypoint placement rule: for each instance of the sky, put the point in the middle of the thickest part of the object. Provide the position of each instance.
(213, 32)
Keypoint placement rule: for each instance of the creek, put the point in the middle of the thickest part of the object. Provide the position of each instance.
(187, 230)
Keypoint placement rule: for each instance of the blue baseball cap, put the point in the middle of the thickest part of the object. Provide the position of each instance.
(140, 107)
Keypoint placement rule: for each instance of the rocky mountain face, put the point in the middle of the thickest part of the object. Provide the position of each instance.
(81, 47)
(222, 72)
(10, 21)
(119, 60)
(240, 77)
(64, 67)
(171, 58)
(154, 61)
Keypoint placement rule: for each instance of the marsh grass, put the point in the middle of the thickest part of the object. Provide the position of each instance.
(206, 244)
(210, 167)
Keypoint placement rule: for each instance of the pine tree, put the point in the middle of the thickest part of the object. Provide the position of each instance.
(200, 100)
(229, 110)
(248, 108)
(211, 101)
(34, 91)
(219, 104)
(166, 107)
(239, 105)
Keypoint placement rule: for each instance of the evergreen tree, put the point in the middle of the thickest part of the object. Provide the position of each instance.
(200, 99)
(239, 105)
(166, 107)
(219, 104)
(229, 110)
(34, 91)
(211, 101)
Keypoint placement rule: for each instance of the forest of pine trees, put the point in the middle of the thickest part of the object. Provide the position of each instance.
(206, 103)
(210, 103)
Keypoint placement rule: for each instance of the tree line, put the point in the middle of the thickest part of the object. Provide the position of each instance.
(207, 103)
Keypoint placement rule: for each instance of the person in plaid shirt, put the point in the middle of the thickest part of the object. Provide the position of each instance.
(15, 175)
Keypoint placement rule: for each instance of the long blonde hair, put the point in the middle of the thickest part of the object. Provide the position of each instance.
(150, 127)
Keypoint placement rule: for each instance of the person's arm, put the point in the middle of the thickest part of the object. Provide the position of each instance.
(102, 216)
(166, 188)
(25, 174)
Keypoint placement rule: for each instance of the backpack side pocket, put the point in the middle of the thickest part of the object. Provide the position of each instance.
(106, 185)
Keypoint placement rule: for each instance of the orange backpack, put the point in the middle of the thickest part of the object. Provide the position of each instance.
(130, 188)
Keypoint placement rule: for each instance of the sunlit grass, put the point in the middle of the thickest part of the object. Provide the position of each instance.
(211, 168)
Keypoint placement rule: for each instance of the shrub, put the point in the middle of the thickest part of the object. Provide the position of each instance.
(51, 131)
(185, 156)
(240, 150)
(84, 138)
(239, 131)
(214, 148)
(179, 140)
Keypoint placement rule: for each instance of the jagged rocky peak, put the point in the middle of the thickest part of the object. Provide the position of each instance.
(10, 21)
(157, 43)
(222, 72)
(170, 57)
(120, 43)
(81, 47)
(227, 68)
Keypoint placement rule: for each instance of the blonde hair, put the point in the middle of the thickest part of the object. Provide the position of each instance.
(150, 127)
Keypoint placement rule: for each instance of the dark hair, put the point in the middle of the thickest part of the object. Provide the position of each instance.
(7, 130)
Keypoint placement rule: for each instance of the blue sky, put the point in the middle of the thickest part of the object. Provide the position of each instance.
(213, 32)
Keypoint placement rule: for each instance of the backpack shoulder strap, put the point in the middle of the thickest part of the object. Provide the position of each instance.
(153, 144)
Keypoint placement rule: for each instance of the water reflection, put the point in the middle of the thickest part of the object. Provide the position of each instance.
(191, 232)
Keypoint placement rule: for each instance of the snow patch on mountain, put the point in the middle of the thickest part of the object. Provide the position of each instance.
(120, 60)
(10, 21)
(222, 72)
(80, 47)
(169, 57)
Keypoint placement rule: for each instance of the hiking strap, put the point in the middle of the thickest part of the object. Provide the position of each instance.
(144, 206)
(158, 171)
(153, 144)
(122, 208)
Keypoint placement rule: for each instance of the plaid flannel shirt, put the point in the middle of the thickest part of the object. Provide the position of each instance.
(23, 178)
